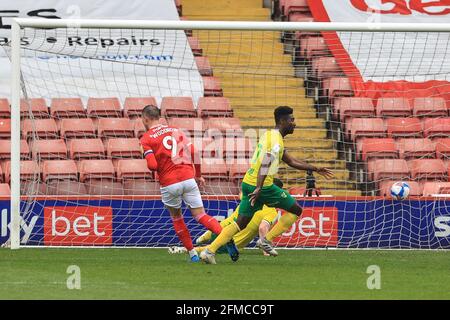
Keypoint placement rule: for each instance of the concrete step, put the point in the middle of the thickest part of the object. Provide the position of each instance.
(332, 164)
(339, 175)
(263, 92)
(318, 154)
(301, 124)
(229, 11)
(197, 4)
(245, 80)
(308, 143)
(272, 102)
(242, 112)
(325, 184)
(217, 17)
(237, 35)
(255, 71)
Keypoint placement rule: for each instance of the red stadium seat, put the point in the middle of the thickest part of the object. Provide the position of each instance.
(416, 148)
(436, 128)
(67, 108)
(289, 7)
(388, 169)
(443, 148)
(86, 149)
(212, 148)
(337, 87)
(444, 92)
(104, 188)
(238, 148)
(41, 128)
(77, 128)
(178, 107)
(313, 47)
(219, 187)
(132, 107)
(59, 170)
(225, 127)
(378, 148)
(5, 191)
(404, 128)
(1, 175)
(187, 32)
(5, 150)
(133, 169)
(203, 65)
(121, 148)
(427, 169)
(432, 188)
(238, 171)
(5, 110)
(214, 168)
(66, 188)
(104, 107)
(141, 187)
(49, 149)
(29, 170)
(326, 67)
(195, 46)
(430, 107)
(33, 188)
(5, 128)
(96, 169)
(190, 126)
(385, 188)
(115, 128)
(36, 107)
(212, 87)
(365, 127)
(214, 107)
(349, 107)
(393, 107)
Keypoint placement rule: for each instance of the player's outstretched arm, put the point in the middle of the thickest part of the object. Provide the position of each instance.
(301, 165)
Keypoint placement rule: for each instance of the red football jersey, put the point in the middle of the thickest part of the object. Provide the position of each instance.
(171, 150)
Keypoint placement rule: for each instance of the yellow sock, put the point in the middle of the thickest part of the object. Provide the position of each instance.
(222, 239)
(285, 222)
(205, 237)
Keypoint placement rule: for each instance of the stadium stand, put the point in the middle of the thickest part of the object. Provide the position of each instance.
(132, 107)
(67, 108)
(178, 107)
(36, 107)
(104, 107)
(5, 110)
(214, 107)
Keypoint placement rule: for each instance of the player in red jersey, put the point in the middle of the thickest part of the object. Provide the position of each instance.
(169, 152)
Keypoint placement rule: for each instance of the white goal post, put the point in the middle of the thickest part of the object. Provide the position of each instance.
(15, 53)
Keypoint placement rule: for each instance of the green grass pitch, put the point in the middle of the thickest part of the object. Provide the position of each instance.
(31, 273)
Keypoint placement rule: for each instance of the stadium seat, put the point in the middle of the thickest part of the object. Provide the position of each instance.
(115, 128)
(77, 128)
(86, 149)
(444, 92)
(443, 148)
(121, 148)
(436, 128)
(378, 148)
(393, 107)
(5, 150)
(429, 107)
(133, 169)
(416, 148)
(5, 191)
(5, 128)
(365, 127)
(5, 110)
(187, 32)
(238, 171)
(432, 188)
(49, 149)
(96, 169)
(388, 169)
(238, 147)
(104, 107)
(427, 169)
(179, 7)
(404, 128)
(337, 87)
(178, 107)
(212, 148)
(33, 188)
(212, 87)
(132, 107)
(66, 188)
(40, 128)
(138, 128)
(289, 7)
(214, 168)
(214, 107)
(141, 187)
(104, 188)
(225, 127)
(67, 108)
(29, 170)
(349, 107)
(219, 187)
(326, 67)
(37, 107)
(195, 46)
(2, 178)
(312, 47)
(203, 65)
(385, 188)
(59, 170)
(189, 126)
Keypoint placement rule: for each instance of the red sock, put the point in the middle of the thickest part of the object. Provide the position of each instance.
(183, 233)
(209, 222)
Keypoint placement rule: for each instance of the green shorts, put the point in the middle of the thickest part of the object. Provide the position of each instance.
(271, 196)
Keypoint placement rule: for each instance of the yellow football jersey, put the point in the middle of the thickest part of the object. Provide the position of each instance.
(270, 142)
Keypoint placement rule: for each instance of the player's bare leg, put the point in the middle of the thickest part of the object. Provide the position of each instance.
(264, 228)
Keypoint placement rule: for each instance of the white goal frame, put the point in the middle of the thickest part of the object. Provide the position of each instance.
(19, 23)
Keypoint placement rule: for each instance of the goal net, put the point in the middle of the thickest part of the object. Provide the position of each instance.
(370, 104)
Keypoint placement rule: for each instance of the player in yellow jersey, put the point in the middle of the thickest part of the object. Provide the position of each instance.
(258, 188)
